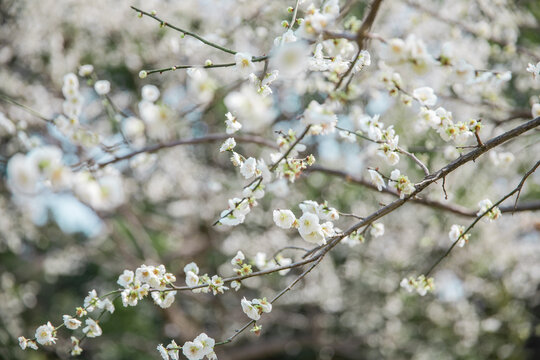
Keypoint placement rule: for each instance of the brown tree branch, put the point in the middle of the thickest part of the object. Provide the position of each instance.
(198, 140)
(517, 189)
(452, 208)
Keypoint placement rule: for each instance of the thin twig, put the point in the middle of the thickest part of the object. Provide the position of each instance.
(211, 66)
(452, 208)
(198, 140)
(479, 217)
(25, 108)
(186, 32)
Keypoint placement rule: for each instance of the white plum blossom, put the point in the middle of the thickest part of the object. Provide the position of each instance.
(92, 328)
(534, 69)
(284, 218)
(308, 222)
(6, 125)
(248, 168)
(102, 87)
(238, 259)
(484, 206)
(244, 65)
(163, 352)
(320, 116)
(191, 267)
(377, 229)
(291, 58)
(251, 311)
(86, 70)
(401, 183)
(150, 93)
(535, 110)
(217, 285)
(191, 279)
(70, 322)
(232, 124)
(172, 350)
(377, 179)
(502, 159)
(91, 301)
(107, 305)
(236, 213)
(126, 278)
(309, 206)
(201, 346)
(420, 284)
(263, 304)
(425, 95)
(163, 299)
(252, 108)
(310, 229)
(254, 308)
(27, 343)
(45, 334)
(23, 174)
(236, 285)
(456, 232)
(228, 145)
(193, 350)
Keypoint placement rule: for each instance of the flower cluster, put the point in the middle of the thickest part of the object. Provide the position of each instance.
(320, 117)
(202, 346)
(46, 334)
(387, 138)
(318, 20)
(308, 224)
(147, 279)
(254, 308)
(203, 283)
(401, 183)
(457, 233)
(249, 168)
(232, 125)
(484, 206)
(68, 123)
(263, 86)
(412, 51)
(260, 260)
(38, 169)
(292, 168)
(441, 120)
(420, 284)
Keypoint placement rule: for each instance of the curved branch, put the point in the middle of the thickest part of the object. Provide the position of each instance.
(517, 189)
(452, 208)
(186, 32)
(198, 140)
(428, 180)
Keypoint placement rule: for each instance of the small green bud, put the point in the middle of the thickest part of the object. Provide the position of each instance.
(143, 74)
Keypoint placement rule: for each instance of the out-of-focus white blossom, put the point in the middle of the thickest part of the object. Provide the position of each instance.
(425, 95)
(244, 65)
(102, 87)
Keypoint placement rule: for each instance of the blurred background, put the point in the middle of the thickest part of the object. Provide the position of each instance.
(54, 248)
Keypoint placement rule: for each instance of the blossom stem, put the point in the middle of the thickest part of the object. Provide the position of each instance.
(517, 189)
(179, 67)
(186, 32)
